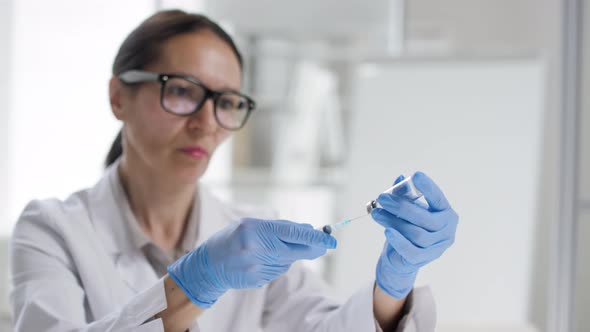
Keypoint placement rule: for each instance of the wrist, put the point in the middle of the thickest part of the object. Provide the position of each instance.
(388, 311)
(180, 312)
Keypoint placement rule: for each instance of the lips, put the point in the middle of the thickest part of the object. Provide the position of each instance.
(196, 151)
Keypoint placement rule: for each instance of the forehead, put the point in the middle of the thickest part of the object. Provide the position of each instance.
(202, 55)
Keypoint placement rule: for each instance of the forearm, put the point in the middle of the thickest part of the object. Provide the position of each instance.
(180, 312)
(388, 310)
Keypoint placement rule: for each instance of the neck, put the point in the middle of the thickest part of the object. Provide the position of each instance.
(160, 206)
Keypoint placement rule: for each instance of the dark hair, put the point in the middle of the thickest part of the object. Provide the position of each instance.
(142, 47)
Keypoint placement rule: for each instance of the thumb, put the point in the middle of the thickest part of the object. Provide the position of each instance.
(432, 194)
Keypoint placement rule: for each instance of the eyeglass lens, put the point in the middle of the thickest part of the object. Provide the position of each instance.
(182, 97)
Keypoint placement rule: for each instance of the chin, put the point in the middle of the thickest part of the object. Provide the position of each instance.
(189, 174)
(186, 170)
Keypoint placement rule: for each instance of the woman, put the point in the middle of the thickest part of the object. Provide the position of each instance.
(146, 249)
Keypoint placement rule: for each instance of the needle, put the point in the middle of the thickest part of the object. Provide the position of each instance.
(404, 188)
(330, 228)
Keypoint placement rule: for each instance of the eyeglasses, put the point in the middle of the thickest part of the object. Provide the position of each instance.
(183, 95)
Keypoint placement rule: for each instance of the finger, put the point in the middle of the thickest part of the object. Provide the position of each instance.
(432, 193)
(421, 204)
(414, 255)
(291, 232)
(397, 262)
(417, 235)
(415, 214)
(402, 189)
(291, 252)
(287, 223)
(268, 273)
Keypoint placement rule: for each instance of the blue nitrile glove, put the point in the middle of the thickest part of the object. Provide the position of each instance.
(246, 254)
(416, 234)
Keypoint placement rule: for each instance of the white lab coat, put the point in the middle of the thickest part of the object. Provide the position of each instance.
(74, 269)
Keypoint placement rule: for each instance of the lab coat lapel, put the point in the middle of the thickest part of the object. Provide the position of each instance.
(107, 216)
(131, 263)
(108, 225)
(136, 271)
(132, 272)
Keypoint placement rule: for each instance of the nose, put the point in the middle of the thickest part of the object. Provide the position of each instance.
(204, 118)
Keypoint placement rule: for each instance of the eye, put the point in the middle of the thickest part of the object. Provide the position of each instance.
(226, 103)
(232, 102)
(242, 104)
(178, 91)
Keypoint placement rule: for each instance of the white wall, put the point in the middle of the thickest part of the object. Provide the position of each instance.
(60, 120)
(476, 128)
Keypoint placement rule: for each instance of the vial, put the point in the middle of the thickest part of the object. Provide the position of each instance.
(404, 188)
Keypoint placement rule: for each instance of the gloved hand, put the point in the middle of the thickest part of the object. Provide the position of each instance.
(416, 234)
(247, 254)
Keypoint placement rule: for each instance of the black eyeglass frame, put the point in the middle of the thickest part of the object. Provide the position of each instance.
(139, 76)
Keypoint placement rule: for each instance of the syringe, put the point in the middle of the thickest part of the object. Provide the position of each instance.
(404, 188)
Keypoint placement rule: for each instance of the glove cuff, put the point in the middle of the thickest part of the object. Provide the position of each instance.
(395, 283)
(191, 273)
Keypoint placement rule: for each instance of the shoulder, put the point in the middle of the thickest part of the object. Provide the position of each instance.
(44, 233)
(49, 216)
(73, 215)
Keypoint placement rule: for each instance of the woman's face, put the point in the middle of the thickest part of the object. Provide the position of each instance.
(179, 147)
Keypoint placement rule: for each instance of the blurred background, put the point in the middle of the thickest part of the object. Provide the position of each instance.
(486, 96)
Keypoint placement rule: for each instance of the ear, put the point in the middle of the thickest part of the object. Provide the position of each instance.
(115, 97)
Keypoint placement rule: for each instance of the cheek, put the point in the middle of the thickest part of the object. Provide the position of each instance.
(152, 127)
(220, 136)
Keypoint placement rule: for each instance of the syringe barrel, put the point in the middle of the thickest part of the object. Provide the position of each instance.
(404, 188)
